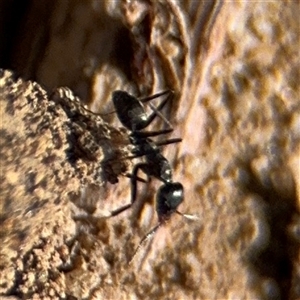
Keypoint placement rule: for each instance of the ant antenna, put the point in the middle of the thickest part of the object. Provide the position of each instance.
(147, 237)
(187, 216)
(150, 234)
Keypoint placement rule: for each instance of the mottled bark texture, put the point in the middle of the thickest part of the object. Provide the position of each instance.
(234, 67)
(51, 146)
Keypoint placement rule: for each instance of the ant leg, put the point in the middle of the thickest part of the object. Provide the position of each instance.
(134, 179)
(167, 142)
(137, 178)
(156, 111)
(158, 144)
(146, 99)
(145, 134)
(149, 98)
(119, 210)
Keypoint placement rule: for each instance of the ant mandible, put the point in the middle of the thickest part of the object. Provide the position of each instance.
(132, 115)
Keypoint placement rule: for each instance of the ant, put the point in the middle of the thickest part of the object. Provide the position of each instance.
(132, 115)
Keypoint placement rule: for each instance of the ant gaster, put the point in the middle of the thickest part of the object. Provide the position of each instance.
(131, 111)
(132, 115)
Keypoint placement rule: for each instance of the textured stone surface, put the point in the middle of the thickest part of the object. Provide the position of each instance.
(235, 70)
(51, 147)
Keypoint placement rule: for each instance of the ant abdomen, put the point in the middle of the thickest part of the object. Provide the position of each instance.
(130, 111)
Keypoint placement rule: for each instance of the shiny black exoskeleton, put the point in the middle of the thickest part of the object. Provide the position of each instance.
(132, 115)
(168, 198)
(131, 111)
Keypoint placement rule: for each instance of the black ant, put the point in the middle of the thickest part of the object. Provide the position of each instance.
(132, 115)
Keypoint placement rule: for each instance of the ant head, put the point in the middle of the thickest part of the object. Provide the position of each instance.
(168, 198)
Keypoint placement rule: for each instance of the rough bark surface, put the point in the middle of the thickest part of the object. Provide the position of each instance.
(234, 67)
(51, 149)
